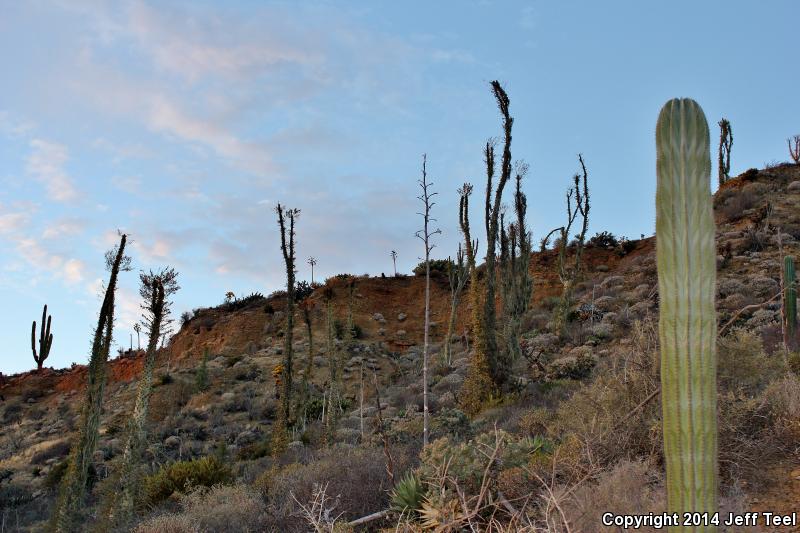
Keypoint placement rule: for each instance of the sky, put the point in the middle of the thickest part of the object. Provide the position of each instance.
(185, 123)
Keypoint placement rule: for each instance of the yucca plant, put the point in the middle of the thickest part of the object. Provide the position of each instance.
(687, 319)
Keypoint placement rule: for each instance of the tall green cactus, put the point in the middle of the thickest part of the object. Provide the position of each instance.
(789, 302)
(45, 340)
(687, 321)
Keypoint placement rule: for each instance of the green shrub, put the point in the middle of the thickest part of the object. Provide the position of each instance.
(466, 462)
(339, 330)
(183, 476)
(55, 474)
(438, 266)
(253, 451)
(407, 494)
(201, 376)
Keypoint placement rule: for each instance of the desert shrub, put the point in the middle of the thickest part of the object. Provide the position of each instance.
(55, 474)
(58, 449)
(600, 420)
(604, 239)
(357, 477)
(186, 317)
(184, 475)
(579, 367)
(254, 451)
(550, 302)
(168, 523)
(444, 463)
(302, 290)
(438, 267)
(452, 422)
(742, 363)
(214, 510)
(629, 487)
(339, 330)
(794, 362)
(735, 203)
(12, 413)
(626, 246)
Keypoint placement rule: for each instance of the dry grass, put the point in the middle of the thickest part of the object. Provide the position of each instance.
(211, 511)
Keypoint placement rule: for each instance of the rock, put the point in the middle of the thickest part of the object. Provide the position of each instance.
(401, 317)
(400, 333)
(382, 332)
(794, 186)
(378, 317)
(295, 445)
(172, 441)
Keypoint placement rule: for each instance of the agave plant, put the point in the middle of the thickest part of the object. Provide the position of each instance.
(408, 494)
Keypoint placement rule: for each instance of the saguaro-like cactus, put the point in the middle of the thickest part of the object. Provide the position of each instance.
(789, 303)
(687, 319)
(45, 340)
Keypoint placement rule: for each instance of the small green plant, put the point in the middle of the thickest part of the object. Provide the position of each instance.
(340, 330)
(201, 377)
(789, 303)
(183, 476)
(407, 495)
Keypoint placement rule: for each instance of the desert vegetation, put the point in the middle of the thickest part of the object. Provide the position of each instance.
(529, 391)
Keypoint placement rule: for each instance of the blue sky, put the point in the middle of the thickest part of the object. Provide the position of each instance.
(185, 123)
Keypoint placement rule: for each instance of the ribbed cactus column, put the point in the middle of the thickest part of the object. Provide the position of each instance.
(789, 302)
(687, 319)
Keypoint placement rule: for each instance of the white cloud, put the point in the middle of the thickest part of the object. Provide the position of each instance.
(70, 270)
(195, 48)
(128, 184)
(63, 227)
(165, 116)
(46, 164)
(12, 222)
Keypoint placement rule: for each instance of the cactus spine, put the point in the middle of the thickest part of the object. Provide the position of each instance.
(687, 318)
(45, 340)
(789, 303)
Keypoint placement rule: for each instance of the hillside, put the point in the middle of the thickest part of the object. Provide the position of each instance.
(590, 395)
